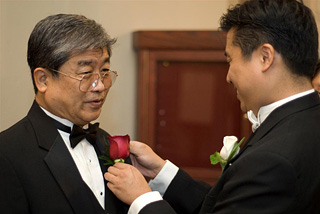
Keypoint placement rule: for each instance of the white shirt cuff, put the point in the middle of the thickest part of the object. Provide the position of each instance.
(161, 182)
(143, 200)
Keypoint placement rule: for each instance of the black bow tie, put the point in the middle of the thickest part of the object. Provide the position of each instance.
(78, 133)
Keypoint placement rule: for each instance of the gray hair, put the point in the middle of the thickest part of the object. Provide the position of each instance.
(55, 39)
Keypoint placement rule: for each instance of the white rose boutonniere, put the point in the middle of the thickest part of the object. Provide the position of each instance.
(229, 150)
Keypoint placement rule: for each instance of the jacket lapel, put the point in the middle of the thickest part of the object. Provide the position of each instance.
(276, 117)
(60, 162)
(68, 177)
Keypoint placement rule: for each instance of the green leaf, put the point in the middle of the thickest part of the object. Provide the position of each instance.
(108, 163)
(106, 160)
(215, 158)
(105, 156)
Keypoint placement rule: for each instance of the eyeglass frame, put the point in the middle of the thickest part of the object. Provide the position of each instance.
(83, 75)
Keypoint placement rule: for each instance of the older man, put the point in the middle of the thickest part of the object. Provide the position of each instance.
(49, 160)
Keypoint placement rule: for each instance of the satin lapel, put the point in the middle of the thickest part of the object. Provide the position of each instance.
(276, 117)
(100, 147)
(68, 177)
(60, 162)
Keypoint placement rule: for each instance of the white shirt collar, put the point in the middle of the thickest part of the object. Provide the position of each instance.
(265, 111)
(59, 119)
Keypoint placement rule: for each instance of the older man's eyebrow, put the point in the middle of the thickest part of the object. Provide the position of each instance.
(85, 62)
(92, 62)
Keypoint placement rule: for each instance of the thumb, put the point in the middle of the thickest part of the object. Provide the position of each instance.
(135, 147)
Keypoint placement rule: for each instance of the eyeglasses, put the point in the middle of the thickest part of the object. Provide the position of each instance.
(89, 81)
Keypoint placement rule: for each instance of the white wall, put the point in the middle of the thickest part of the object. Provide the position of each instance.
(120, 18)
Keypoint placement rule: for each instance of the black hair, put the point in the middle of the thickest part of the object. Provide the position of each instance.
(288, 25)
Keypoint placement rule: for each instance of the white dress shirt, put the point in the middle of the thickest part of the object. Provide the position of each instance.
(161, 182)
(264, 111)
(86, 160)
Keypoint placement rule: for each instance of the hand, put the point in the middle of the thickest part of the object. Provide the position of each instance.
(126, 182)
(145, 159)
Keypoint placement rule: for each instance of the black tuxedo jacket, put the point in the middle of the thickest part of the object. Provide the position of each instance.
(277, 170)
(39, 176)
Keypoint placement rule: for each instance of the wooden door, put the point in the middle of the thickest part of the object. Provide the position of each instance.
(186, 107)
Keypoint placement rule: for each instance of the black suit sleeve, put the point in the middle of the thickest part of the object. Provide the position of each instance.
(158, 207)
(185, 194)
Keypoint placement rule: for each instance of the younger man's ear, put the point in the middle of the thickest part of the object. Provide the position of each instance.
(267, 56)
(41, 78)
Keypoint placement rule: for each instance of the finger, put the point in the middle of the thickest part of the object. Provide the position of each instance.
(114, 170)
(121, 170)
(120, 165)
(112, 187)
(133, 146)
(109, 177)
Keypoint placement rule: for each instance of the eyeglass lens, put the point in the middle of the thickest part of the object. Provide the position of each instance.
(89, 82)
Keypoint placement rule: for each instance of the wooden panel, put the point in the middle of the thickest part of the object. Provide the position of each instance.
(195, 109)
(179, 40)
(185, 106)
(147, 77)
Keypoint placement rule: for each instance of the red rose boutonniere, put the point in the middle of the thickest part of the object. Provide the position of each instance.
(118, 150)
